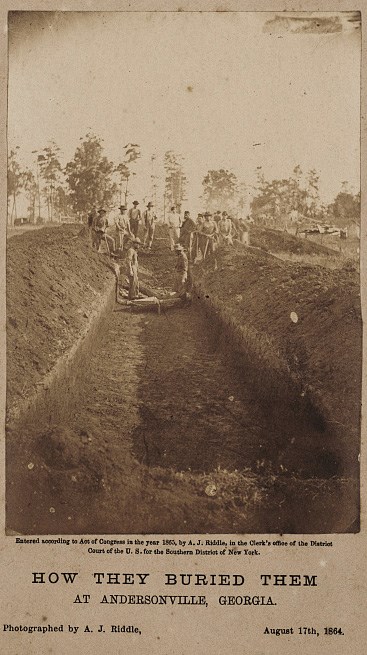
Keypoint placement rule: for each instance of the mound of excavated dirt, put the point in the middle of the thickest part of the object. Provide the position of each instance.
(320, 347)
(54, 281)
(276, 241)
(257, 293)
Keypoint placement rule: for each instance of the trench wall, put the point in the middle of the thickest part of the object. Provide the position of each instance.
(57, 393)
(255, 352)
(283, 389)
(280, 387)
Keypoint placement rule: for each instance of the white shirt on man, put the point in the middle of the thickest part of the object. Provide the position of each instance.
(174, 219)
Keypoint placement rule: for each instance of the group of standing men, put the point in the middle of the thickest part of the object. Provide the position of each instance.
(126, 227)
(204, 234)
(126, 240)
(187, 237)
(190, 238)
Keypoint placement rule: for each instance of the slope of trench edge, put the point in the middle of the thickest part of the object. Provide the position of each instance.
(187, 421)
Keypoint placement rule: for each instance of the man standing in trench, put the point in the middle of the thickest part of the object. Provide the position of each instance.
(133, 268)
(134, 218)
(181, 271)
(186, 233)
(209, 235)
(149, 226)
(174, 224)
(122, 227)
(100, 226)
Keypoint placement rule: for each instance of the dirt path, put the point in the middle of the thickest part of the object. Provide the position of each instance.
(25, 229)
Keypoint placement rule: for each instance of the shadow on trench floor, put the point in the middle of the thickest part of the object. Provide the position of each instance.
(200, 408)
(200, 411)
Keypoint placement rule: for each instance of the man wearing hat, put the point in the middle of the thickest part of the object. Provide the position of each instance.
(226, 231)
(133, 267)
(199, 220)
(99, 227)
(210, 231)
(217, 216)
(196, 239)
(181, 270)
(134, 218)
(149, 218)
(186, 232)
(122, 226)
(90, 222)
(174, 223)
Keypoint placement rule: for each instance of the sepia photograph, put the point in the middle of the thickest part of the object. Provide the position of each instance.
(183, 306)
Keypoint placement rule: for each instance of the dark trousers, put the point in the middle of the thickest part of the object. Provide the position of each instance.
(134, 226)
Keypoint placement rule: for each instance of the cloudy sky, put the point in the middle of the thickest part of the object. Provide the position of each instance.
(207, 85)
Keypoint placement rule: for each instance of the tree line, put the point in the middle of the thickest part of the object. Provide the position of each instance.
(90, 180)
(280, 202)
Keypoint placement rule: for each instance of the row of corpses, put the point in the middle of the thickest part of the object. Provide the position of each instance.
(131, 293)
(125, 263)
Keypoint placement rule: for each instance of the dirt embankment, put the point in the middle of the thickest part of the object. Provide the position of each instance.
(299, 319)
(275, 241)
(54, 283)
(297, 324)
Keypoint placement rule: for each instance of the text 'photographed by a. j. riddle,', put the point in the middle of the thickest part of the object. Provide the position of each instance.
(184, 333)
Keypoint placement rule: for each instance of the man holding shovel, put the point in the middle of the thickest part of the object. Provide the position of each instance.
(209, 235)
(133, 268)
(134, 218)
(122, 226)
(186, 233)
(99, 227)
(149, 226)
(181, 271)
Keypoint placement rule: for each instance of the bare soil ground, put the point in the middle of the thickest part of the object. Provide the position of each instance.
(167, 413)
(322, 348)
(276, 241)
(53, 280)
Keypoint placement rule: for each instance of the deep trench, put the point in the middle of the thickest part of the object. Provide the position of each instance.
(145, 393)
(202, 409)
(195, 400)
(169, 391)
